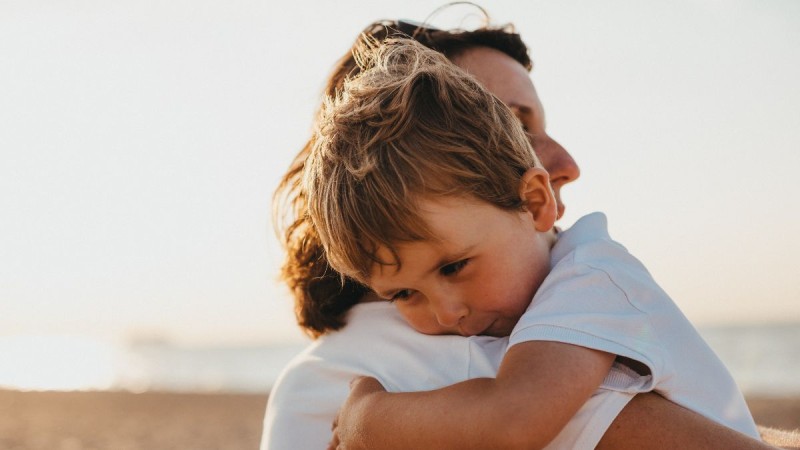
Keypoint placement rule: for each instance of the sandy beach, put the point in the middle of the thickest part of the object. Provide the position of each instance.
(122, 421)
(125, 421)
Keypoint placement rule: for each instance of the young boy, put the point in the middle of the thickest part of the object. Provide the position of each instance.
(424, 187)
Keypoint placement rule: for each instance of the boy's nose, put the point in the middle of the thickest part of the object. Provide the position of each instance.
(449, 312)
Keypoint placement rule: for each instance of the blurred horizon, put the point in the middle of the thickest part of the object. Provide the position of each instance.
(142, 141)
(764, 360)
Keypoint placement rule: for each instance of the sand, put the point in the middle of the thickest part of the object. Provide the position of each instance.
(121, 421)
(153, 421)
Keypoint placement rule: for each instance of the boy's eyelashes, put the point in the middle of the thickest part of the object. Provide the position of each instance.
(453, 268)
(446, 270)
(400, 295)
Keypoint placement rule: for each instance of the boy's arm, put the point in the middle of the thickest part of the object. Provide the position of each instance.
(539, 387)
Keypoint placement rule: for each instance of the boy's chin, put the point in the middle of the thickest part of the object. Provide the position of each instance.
(498, 328)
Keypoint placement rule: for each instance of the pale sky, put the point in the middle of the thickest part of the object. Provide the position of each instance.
(141, 142)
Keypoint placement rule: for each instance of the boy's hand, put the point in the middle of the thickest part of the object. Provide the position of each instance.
(347, 424)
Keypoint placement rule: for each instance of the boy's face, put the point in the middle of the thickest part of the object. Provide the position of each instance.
(478, 277)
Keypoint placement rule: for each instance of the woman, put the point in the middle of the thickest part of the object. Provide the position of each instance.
(377, 342)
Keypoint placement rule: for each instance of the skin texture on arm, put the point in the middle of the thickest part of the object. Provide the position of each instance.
(539, 387)
(652, 422)
(648, 421)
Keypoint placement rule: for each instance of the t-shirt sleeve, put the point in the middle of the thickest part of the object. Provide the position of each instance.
(591, 422)
(581, 305)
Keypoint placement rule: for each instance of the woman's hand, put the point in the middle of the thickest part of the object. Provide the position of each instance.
(347, 427)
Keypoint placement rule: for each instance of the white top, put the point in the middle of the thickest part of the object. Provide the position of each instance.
(378, 342)
(598, 295)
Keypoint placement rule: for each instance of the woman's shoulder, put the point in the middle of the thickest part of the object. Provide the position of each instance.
(377, 341)
(370, 327)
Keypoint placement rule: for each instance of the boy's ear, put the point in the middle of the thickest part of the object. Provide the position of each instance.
(538, 198)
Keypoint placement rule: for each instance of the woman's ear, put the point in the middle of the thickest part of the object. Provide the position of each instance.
(538, 198)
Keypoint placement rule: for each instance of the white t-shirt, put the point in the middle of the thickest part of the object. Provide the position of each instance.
(378, 342)
(599, 296)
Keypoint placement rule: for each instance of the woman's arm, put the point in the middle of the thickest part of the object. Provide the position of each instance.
(650, 421)
(539, 387)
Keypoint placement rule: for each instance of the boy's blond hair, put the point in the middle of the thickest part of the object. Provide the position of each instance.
(410, 124)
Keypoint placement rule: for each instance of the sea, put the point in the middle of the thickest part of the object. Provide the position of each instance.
(764, 360)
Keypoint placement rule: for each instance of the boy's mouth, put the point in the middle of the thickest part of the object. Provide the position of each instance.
(483, 331)
(500, 327)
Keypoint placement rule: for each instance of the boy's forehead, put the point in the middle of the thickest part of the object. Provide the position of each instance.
(389, 260)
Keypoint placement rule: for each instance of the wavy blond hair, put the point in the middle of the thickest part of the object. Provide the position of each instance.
(321, 298)
(410, 124)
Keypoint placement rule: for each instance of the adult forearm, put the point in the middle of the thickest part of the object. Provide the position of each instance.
(650, 421)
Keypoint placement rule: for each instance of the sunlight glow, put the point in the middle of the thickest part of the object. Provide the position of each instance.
(56, 363)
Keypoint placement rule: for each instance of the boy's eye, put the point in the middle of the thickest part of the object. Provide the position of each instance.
(453, 268)
(401, 295)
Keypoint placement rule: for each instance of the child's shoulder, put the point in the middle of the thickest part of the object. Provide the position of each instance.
(585, 240)
(588, 245)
